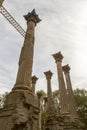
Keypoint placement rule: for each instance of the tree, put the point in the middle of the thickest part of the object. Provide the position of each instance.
(43, 94)
(2, 99)
(81, 100)
(80, 97)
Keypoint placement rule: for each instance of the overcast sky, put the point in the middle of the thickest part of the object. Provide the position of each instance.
(63, 28)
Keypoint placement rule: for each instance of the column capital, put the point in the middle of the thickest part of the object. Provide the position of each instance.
(48, 74)
(58, 57)
(32, 16)
(34, 79)
(66, 68)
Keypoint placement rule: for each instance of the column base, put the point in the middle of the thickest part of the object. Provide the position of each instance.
(20, 111)
(21, 87)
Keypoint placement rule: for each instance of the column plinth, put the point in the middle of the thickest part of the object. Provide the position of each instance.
(26, 57)
(62, 89)
(34, 80)
(71, 99)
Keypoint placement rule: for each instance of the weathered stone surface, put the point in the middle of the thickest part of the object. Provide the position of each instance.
(34, 79)
(45, 103)
(26, 58)
(21, 110)
(39, 95)
(54, 122)
(32, 16)
(52, 118)
(48, 75)
(62, 89)
(71, 100)
(71, 119)
(69, 123)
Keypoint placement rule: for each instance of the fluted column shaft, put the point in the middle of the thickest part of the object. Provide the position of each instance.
(45, 103)
(34, 80)
(62, 89)
(26, 58)
(39, 104)
(71, 99)
(48, 75)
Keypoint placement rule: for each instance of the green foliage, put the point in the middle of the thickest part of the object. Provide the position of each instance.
(44, 118)
(2, 99)
(56, 93)
(81, 100)
(42, 93)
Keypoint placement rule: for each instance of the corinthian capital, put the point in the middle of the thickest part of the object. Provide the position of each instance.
(32, 16)
(48, 74)
(58, 57)
(34, 79)
(66, 68)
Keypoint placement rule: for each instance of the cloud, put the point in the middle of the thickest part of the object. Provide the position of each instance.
(63, 28)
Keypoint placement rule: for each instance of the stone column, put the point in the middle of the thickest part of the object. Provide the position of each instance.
(71, 99)
(34, 79)
(21, 111)
(39, 104)
(45, 103)
(26, 58)
(48, 75)
(62, 90)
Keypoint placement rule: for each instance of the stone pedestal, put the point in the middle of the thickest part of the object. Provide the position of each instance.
(70, 124)
(21, 111)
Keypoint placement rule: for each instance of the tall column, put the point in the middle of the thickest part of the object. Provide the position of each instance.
(48, 75)
(71, 99)
(21, 111)
(62, 90)
(45, 103)
(34, 79)
(26, 58)
(39, 104)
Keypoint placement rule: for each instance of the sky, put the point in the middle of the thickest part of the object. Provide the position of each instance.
(63, 28)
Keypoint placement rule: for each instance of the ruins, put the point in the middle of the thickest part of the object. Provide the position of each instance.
(22, 108)
(34, 80)
(62, 90)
